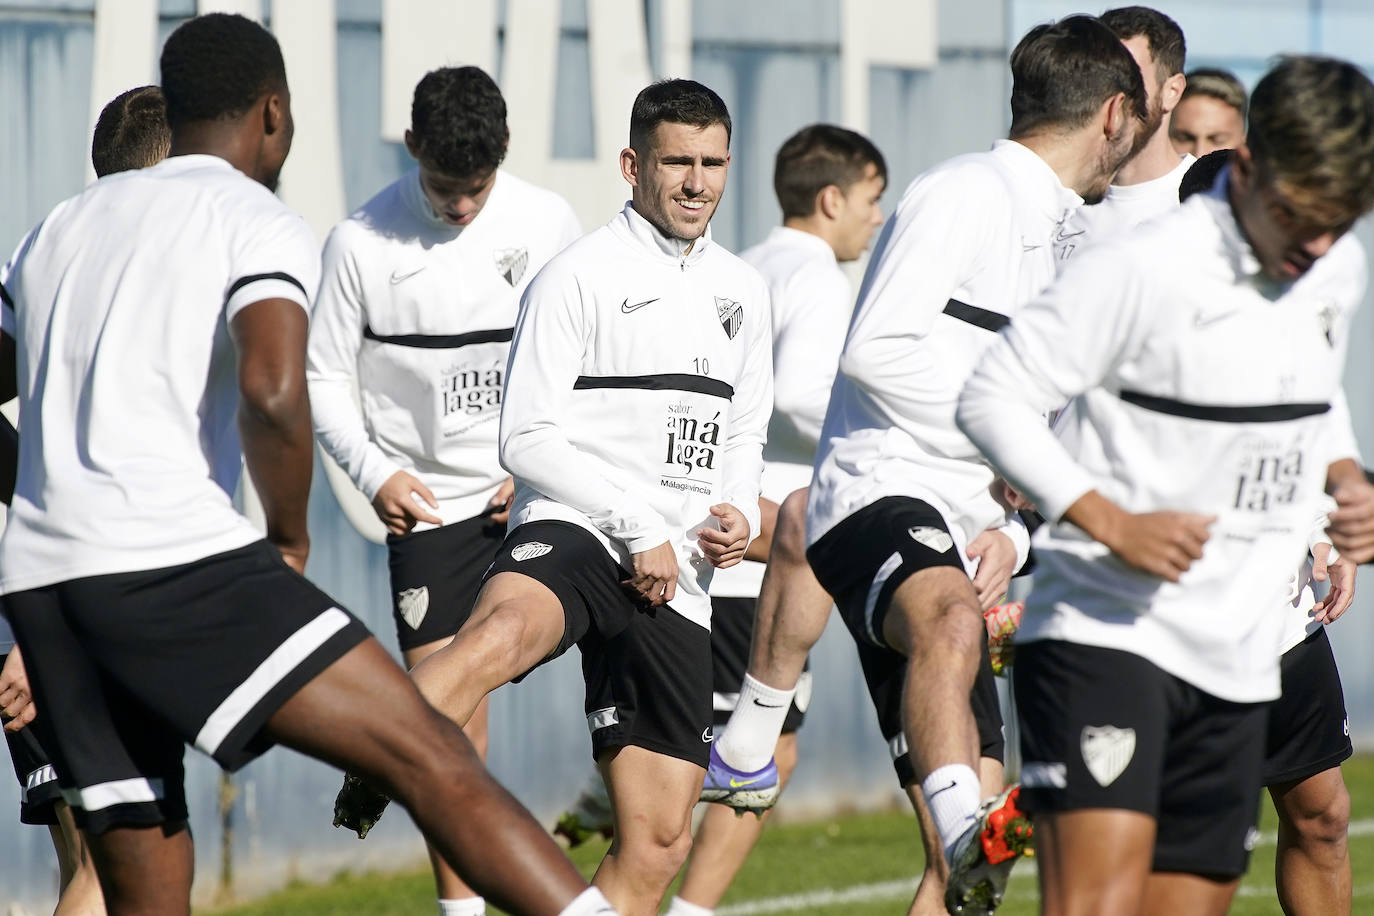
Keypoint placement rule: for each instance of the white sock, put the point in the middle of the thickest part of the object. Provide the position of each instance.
(590, 902)
(953, 795)
(680, 907)
(754, 727)
(465, 906)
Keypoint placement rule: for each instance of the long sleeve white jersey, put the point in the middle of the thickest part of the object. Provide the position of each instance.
(970, 242)
(1207, 388)
(638, 393)
(811, 303)
(1124, 209)
(419, 315)
(120, 303)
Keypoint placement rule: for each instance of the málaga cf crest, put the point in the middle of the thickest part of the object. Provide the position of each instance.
(511, 263)
(731, 316)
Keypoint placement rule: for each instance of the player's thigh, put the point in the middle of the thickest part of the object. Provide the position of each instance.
(1092, 861)
(652, 795)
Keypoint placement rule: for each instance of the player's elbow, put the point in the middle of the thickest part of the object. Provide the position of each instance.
(277, 398)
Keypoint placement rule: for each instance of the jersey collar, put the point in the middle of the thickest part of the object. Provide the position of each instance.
(1041, 185)
(642, 234)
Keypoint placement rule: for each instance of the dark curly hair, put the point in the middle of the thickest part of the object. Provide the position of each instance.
(458, 122)
(131, 132)
(216, 66)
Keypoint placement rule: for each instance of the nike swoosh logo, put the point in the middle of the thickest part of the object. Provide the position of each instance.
(758, 702)
(627, 308)
(741, 783)
(399, 277)
(1201, 320)
(1065, 236)
(943, 789)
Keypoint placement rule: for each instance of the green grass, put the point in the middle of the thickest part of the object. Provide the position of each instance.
(837, 854)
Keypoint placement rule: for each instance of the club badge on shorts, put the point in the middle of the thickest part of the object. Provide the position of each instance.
(414, 605)
(529, 550)
(1107, 750)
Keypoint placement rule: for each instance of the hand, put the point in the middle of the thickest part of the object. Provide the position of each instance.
(1341, 575)
(725, 548)
(398, 508)
(996, 556)
(16, 701)
(1351, 526)
(1163, 544)
(1010, 497)
(501, 500)
(655, 575)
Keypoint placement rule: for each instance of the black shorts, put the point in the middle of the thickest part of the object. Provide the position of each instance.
(861, 562)
(1102, 728)
(435, 577)
(732, 631)
(863, 559)
(647, 670)
(1308, 729)
(127, 668)
(38, 792)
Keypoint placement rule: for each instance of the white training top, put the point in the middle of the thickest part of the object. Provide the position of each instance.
(1208, 388)
(127, 381)
(1123, 208)
(969, 243)
(638, 393)
(419, 315)
(812, 301)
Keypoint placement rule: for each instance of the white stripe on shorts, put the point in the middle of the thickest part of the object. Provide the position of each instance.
(871, 602)
(283, 660)
(39, 777)
(724, 702)
(897, 746)
(109, 794)
(602, 718)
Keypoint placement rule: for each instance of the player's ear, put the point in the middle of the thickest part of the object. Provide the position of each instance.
(1172, 92)
(829, 201)
(1112, 116)
(1242, 163)
(273, 113)
(629, 166)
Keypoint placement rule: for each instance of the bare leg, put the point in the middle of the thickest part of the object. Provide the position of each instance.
(517, 622)
(80, 895)
(723, 840)
(145, 870)
(652, 795)
(936, 622)
(447, 883)
(930, 893)
(992, 776)
(363, 714)
(793, 608)
(1312, 864)
(1093, 861)
(1177, 894)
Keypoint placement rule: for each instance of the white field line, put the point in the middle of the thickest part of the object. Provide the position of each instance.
(906, 887)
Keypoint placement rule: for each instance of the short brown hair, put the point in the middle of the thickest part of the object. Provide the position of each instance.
(131, 132)
(1063, 72)
(1312, 133)
(816, 157)
(1221, 85)
(1167, 45)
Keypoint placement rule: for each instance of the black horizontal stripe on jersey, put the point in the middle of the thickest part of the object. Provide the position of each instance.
(441, 341)
(672, 381)
(972, 314)
(241, 282)
(5, 296)
(1217, 413)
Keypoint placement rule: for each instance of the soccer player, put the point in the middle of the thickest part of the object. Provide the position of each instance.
(905, 530)
(131, 133)
(1211, 114)
(828, 181)
(160, 321)
(636, 403)
(1308, 734)
(1147, 183)
(416, 309)
(1146, 655)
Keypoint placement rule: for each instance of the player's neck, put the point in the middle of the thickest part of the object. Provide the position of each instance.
(226, 139)
(1155, 160)
(813, 225)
